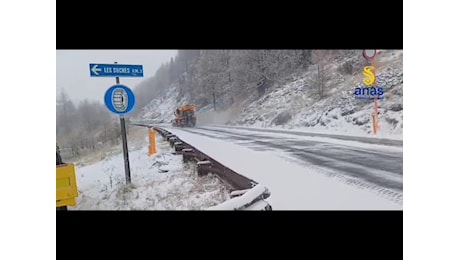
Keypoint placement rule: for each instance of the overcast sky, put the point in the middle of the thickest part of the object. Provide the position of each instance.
(73, 75)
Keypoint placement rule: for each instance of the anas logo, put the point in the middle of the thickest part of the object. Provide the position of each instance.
(369, 75)
(369, 93)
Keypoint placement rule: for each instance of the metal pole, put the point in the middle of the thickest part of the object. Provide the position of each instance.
(125, 143)
(376, 102)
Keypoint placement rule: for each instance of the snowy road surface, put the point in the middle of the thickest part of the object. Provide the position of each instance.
(377, 166)
(348, 137)
(375, 170)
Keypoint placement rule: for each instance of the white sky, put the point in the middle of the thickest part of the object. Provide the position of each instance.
(72, 70)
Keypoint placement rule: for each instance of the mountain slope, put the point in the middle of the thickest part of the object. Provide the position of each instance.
(293, 102)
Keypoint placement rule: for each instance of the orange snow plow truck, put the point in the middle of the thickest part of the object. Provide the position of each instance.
(66, 183)
(185, 116)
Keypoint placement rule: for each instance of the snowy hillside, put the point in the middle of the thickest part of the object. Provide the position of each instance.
(294, 105)
(162, 108)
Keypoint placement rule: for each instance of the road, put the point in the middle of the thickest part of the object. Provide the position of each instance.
(362, 163)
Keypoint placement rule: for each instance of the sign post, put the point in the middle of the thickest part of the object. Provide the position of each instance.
(371, 56)
(124, 140)
(119, 99)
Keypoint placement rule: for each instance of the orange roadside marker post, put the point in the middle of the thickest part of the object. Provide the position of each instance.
(376, 102)
(152, 142)
(371, 55)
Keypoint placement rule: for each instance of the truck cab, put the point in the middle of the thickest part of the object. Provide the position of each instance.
(185, 116)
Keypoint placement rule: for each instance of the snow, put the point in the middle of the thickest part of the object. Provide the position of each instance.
(292, 186)
(292, 105)
(339, 127)
(238, 192)
(247, 199)
(160, 182)
(258, 205)
(337, 113)
(311, 138)
(161, 109)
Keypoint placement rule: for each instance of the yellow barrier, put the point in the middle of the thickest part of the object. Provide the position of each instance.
(152, 141)
(66, 185)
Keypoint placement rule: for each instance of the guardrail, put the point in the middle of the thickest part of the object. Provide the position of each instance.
(247, 194)
(206, 163)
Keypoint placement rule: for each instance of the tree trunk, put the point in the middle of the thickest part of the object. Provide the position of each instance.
(214, 99)
(320, 81)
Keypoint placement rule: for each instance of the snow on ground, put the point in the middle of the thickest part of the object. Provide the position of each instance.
(292, 186)
(340, 127)
(294, 104)
(313, 138)
(160, 182)
(338, 131)
(162, 108)
(292, 107)
(389, 150)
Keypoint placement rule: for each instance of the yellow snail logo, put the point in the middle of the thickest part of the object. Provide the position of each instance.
(120, 100)
(369, 75)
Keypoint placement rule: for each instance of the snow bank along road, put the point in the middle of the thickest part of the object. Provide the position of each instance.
(374, 169)
(362, 139)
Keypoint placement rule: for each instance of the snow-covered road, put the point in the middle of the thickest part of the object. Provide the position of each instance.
(379, 165)
(306, 172)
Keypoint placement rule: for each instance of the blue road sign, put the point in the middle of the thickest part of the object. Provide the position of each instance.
(115, 70)
(119, 99)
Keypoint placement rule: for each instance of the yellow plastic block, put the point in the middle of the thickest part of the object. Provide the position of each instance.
(66, 185)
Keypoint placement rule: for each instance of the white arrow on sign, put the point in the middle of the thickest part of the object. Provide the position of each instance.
(95, 69)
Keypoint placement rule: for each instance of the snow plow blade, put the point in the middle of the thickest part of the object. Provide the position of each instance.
(251, 199)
